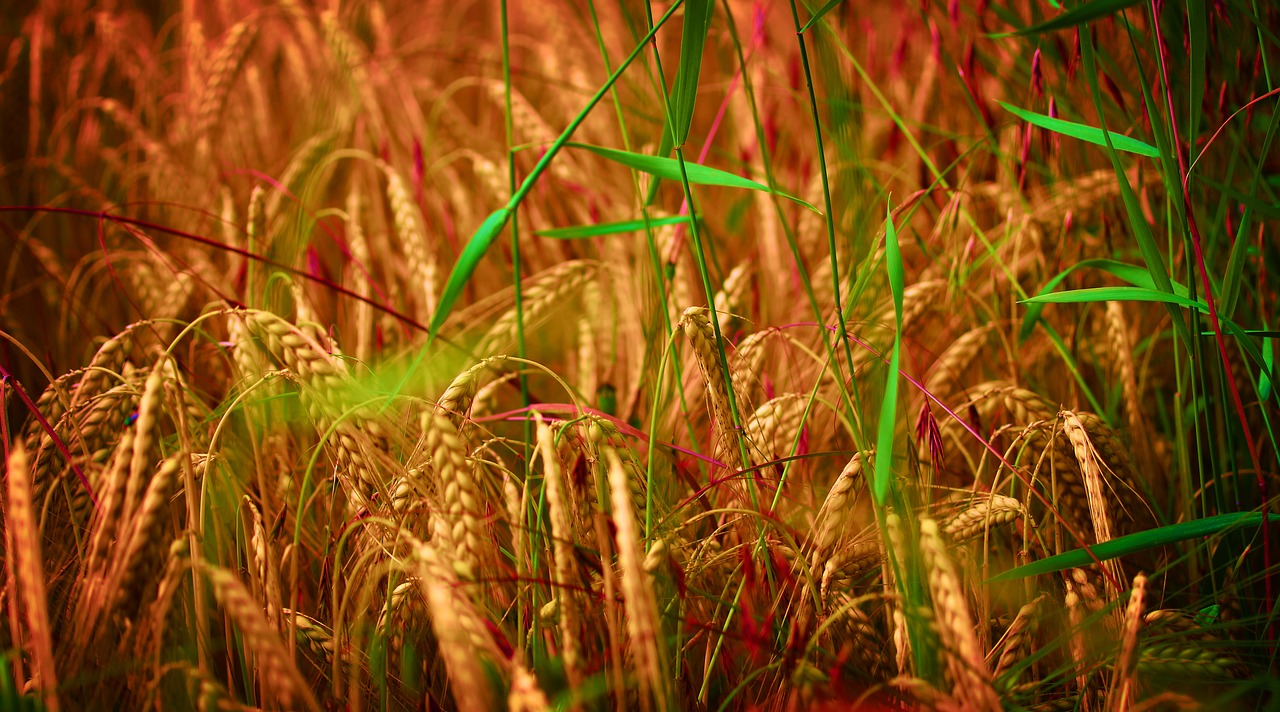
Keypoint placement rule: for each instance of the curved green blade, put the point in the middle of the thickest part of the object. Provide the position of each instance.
(1133, 543)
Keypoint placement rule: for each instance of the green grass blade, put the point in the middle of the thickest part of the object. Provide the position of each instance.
(1133, 274)
(831, 5)
(1133, 543)
(581, 232)
(1268, 361)
(1075, 16)
(693, 39)
(889, 407)
(1082, 132)
(492, 225)
(1116, 294)
(466, 266)
(1151, 254)
(1242, 338)
(669, 169)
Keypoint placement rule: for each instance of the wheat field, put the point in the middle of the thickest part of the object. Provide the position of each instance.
(593, 355)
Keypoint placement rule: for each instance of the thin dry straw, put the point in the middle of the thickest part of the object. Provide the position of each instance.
(30, 575)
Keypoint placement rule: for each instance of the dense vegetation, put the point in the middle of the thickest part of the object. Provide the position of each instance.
(473, 355)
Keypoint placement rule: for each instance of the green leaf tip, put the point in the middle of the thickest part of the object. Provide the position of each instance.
(669, 169)
(1088, 134)
(476, 247)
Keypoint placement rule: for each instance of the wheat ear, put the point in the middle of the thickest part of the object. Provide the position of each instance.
(1121, 694)
(637, 591)
(281, 675)
(970, 675)
(464, 503)
(566, 577)
(464, 643)
(30, 574)
(1091, 473)
(697, 328)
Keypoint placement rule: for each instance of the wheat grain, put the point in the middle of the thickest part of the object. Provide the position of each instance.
(696, 325)
(832, 518)
(565, 576)
(127, 576)
(150, 408)
(1017, 641)
(1122, 691)
(457, 399)
(550, 290)
(223, 69)
(773, 427)
(1091, 473)
(952, 363)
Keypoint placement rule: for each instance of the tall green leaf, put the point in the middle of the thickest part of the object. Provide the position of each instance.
(580, 232)
(889, 407)
(466, 266)
(693, 40)
(828, 7)
(1133, 543)
(1133, 274)
(669, 168)
(1089, 134)
(1075, 16)
(1117, 294)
